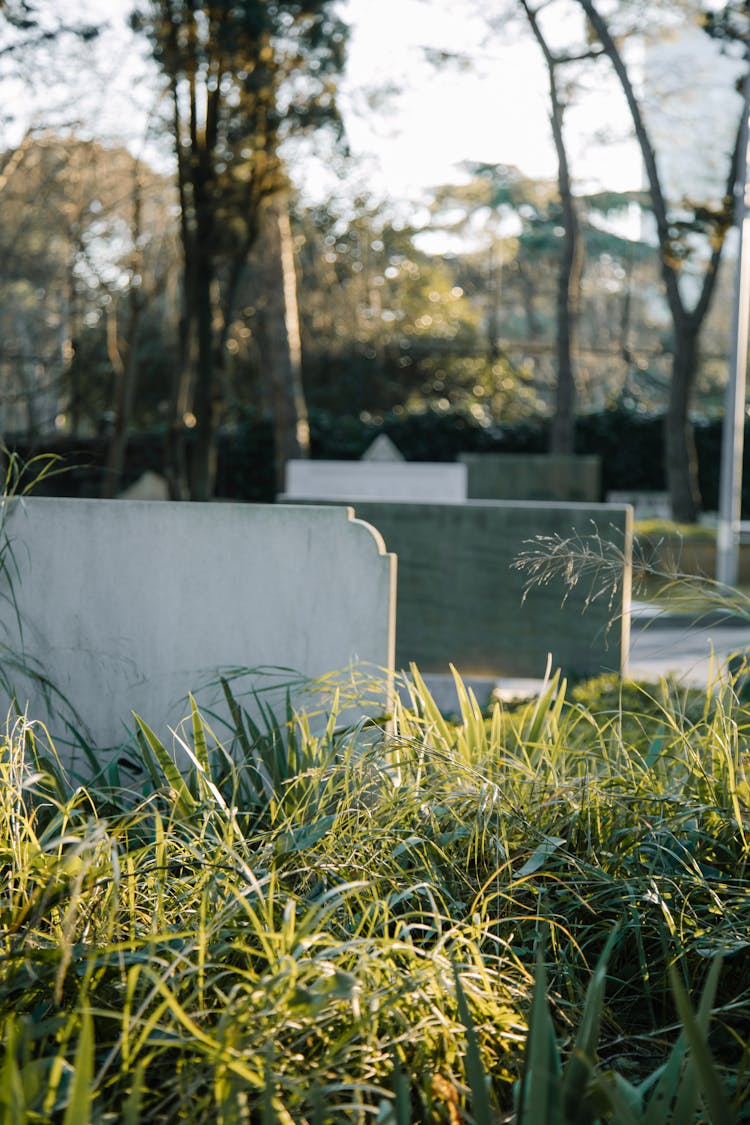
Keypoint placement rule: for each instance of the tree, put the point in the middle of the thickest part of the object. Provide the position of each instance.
(141, 280)
(562, 430)
(516, 222)
(674, 232)
(241, 77)
(571, 246)
(77, 245)
(281, 344)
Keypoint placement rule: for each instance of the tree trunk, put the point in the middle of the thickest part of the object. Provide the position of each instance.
(679, 438)
(175, 455)
(681, 463)
(125, 384)
(203, 452)
(562, 432)
(282, 346)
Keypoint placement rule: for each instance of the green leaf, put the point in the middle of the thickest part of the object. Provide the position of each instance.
(80, 1098)
(199, 736)
(541, 1086)
(12, 1098)
(695, 1030)
(539, 856)
(401, 1105)
(532, 731)
(475, 1071)
(184, 800)
(131, 1110)
(580, 1067)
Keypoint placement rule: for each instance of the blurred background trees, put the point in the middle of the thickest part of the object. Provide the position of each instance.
(176, 283)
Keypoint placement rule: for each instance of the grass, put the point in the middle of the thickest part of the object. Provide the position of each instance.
(356, 935)
(539, 915)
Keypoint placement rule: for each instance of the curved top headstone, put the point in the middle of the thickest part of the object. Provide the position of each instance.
(128, 605)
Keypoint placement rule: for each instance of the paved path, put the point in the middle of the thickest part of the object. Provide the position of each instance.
(692, 651)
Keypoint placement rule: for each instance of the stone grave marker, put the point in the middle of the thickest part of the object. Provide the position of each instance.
(129, 605)
(382, 449)
(533, 476)
(375, 480)
(646, 503)
(461, 601)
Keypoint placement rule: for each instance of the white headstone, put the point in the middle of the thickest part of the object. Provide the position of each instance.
(406, 481)
(646, 504)
(382, 449)
(127, 605)
(149, 486)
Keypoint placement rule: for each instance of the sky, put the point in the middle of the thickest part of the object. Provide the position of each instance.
(496, 112)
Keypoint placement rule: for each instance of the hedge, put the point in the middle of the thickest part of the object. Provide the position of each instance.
(630, 445)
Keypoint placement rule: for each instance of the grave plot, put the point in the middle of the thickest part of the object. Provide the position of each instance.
(128, 605)
(375, 480)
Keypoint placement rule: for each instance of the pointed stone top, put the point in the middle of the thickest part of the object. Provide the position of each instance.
(382, 449)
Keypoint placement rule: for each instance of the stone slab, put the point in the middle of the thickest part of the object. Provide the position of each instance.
(646, 503)
(375, 480)
(383, 449)
(461, 601)
(533, 476)
(129, 605)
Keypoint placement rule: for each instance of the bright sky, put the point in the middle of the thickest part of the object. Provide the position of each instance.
(495, 111)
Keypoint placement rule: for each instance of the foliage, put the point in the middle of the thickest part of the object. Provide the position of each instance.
(240, 78)
(71, 251)
(310, 923)
(629, 444)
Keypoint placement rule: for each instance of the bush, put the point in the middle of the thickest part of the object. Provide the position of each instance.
(630, 445)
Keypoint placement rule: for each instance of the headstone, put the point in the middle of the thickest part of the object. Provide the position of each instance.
(382, 449)
(127, 606)
(461, 601)
(149, 486)
(533, 476)
(375, 480)
(646, 504)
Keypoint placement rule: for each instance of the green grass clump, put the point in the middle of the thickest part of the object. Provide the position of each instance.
(335, 925)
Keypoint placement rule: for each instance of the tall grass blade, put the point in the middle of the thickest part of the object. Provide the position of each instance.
(475, 1071)
(131, 1110)
(184, 801)
(80, 1098)
(199, 737)
(580, 1067)
(541, 1088)
(400, 1107)
(12, 1095)
(701, 1060)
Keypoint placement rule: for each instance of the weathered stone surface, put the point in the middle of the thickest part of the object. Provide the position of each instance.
(128, 605)
(529, 476)
(375, 480)
(383, 449)
(461, 601)
(149, 486)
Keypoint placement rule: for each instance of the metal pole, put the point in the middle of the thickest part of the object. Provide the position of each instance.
(733, 433)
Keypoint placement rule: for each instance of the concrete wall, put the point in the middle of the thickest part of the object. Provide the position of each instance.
(460, 601)
(129, 605)
(528, 476)
(375, 480)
